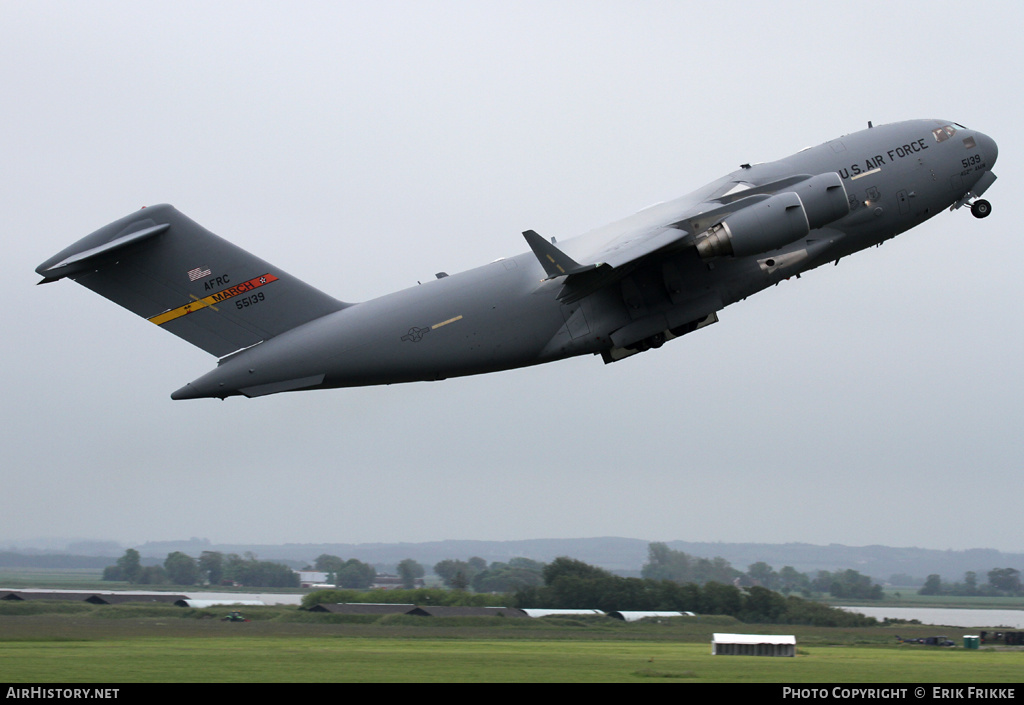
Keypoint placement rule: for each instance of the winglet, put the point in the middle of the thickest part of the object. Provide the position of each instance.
(555, 262)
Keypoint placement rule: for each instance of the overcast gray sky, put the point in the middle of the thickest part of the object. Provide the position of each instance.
(363, 146)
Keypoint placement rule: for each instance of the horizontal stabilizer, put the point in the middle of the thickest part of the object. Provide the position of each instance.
(555, 262)
(80, 260)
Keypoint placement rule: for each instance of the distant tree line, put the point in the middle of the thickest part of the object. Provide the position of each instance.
(498, 577)
(847, 584)
(566, 583)
(353, 574)
(211, 568)
(1001, 582)
(670, 581)
(664, 563)
(572, 584)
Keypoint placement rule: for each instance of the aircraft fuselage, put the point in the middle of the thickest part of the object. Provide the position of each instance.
(521, 311)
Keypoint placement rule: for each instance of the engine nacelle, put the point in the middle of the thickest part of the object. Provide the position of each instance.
(763, 226)
(777, 221)
(824, 198)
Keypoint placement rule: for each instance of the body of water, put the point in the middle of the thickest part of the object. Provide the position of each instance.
(1013, 619)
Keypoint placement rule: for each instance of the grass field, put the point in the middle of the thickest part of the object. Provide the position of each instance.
(66, 643)
(240, 658)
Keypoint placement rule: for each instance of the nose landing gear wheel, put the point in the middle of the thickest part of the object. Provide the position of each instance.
(981, 208)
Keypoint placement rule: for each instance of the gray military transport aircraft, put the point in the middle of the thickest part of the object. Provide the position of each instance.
(615, 291)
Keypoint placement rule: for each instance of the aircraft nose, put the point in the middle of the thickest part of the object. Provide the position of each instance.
(988, 148)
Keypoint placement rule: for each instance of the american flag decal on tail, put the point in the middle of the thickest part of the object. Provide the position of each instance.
(198, 273)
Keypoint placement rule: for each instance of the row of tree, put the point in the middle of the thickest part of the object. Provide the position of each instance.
(664, 563)
(496, 577)
(211, 568)
(1001, 582)
(563, 583)
(353, 574)
(215, 568)
(474, 574)
(573, 584)
(566, 583)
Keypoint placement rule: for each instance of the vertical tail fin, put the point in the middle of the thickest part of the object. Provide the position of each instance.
(168, 269)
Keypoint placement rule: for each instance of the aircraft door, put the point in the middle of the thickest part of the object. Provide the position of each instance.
(904, 202)
(575, 321)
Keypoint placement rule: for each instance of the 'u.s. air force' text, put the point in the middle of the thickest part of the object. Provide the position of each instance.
(876, 162)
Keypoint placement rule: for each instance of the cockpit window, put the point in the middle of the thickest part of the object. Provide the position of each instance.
(945, 132)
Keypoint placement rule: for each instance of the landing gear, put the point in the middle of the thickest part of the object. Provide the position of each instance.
(981, 208)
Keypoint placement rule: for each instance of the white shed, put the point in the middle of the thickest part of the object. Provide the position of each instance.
(532, 612)
(753, 645)
(635, 616)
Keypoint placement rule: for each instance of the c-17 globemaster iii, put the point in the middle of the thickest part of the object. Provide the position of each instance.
(621, 289)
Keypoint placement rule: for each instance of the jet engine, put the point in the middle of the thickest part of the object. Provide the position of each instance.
(777, 220)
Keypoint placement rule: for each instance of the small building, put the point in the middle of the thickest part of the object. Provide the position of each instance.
(444, 611)
(118, 598)
(96, 598)
(753, 645)
(313, 579)
(635, 616)
(536, 612)
(416, 610)
(373, 608)
(63, 595)
(19, 595)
